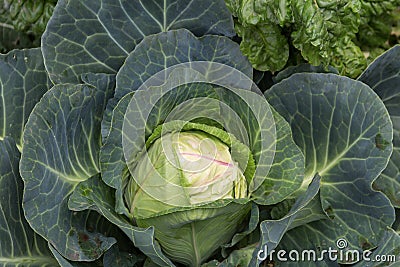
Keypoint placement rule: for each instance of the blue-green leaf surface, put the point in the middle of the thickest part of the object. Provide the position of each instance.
(387, 253)
(61, 147)
(158, 52)
(19, 244)
(335, 121)
(287, 171)
(23, 81)
(97, 36)
(272, 231)
(383, 76)
(94, 194)
(301, 68)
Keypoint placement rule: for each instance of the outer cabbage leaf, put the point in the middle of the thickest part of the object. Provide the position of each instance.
(163, 50)
(23, 81)
(383, 77)
(335, 121)
(158, 52)
(97, 36)
(272, 231)
(287, 171)
(61, 147)
(301, 68)
(112, 257)
(94, 194)
(115, 257)
(20, 245)
(65, 263)
(388, 247)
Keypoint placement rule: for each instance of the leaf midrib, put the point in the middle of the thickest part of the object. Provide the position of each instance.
(194, 243)
(24, 259)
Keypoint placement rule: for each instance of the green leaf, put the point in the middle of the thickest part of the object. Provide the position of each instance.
(71, 42)
(301, 68)
(252, 225)
(11, 39)
(265, 46)
(115, 257)
(65, 263)
(112, 257)
(19, 244)
(287, 171)
(274, 31)
(27, 16)
(112, 162)
(61, 147)
(272, 231)
(95, 195)
(160, 51)
(239, 257)
(383, 77)
(23, 81)
(388, 249)
(335, 121)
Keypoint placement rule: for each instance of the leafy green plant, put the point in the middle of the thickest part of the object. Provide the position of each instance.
(277, 33)
(156, 148)
(22, 22)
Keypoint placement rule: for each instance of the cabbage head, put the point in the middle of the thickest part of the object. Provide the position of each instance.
(213, 193)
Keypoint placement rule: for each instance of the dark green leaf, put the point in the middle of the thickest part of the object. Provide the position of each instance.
(272, 231)
(61, 147)
(115, 257)
(383, 76)
(19, 244)
(11, 39)
(65, 263)
(23, 81)
(158, 52)
(286, 73)
(94, 194)
(387, 253)
(335, 121)
(265, 46)
(97, 36)
(287, 171)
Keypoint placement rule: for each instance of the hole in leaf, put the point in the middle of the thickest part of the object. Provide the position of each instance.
(380, 143)
(329, 212)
